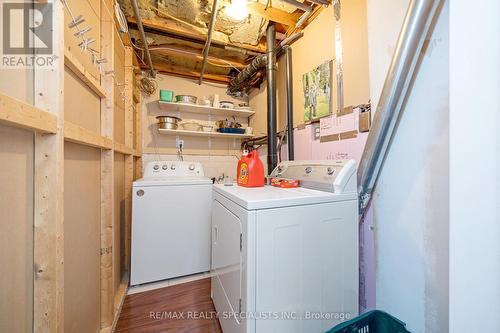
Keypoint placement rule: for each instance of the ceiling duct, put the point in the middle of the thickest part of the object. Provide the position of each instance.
(411, 39)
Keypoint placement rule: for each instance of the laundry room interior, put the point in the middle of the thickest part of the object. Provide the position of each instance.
(249, 166)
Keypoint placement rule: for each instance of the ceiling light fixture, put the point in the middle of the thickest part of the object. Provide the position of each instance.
(237, 10)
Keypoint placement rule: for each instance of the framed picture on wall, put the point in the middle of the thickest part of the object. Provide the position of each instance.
(317, 87)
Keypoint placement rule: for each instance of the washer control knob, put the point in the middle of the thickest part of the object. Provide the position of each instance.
(172, 167)
(330, 170)
(191, 167)
(308, 170)
(164, 167)
(156, 167)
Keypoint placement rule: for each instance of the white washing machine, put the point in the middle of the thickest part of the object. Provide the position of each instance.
(171, 209)
(286, 260)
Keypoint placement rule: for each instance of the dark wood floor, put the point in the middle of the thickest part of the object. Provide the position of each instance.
(182, 308)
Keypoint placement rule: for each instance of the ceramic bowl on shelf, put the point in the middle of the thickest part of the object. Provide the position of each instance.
(207, 128)
(188, 99)
(226, 105)
(191, 126)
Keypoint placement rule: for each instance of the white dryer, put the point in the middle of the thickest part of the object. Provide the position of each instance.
(286, 260)
(171, 209)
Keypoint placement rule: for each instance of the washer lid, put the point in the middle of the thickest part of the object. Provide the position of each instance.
(275, 197)
(168, 181)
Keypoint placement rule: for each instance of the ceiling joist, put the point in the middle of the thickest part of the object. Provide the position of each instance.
(193, 54)
(272, 14)
(185, 73)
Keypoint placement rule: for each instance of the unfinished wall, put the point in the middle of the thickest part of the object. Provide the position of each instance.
(91, 11)
(82, 238)
(60, 215)
(16, 223)
(82, 105)
(411, 198)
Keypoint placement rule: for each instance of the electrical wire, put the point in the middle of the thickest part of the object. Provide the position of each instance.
(122, 20)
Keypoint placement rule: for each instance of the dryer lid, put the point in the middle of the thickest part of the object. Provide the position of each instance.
(274, 197)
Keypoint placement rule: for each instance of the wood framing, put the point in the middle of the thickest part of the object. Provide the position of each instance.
(123, 149)
(316, 11)
(79, 70)
(83, 136)
(20, 114)
(129, 142)
(107, 174)
(49, 189)
(193, 53)
(272, 14)
(174, 71)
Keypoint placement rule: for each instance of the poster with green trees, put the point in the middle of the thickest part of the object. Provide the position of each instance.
(317, 86)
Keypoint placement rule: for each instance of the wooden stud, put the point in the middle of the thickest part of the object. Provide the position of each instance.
(129, 159)
(79, 70)
(20, 114)
(49, 191)
(107, 175)
(138, 130)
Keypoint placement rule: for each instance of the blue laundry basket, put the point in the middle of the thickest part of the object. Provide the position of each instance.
(374, 321)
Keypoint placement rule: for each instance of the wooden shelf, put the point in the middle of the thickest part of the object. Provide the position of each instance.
(202, 109)
(204, 134)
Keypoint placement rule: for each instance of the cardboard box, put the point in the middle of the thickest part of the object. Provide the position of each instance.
(365, 121)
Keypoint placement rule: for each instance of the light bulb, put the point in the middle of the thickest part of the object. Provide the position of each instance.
(237, 10)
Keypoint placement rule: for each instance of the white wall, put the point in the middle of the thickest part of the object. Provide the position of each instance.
(411, 198)
(474, 187)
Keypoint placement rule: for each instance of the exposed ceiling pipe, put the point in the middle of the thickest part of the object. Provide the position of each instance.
(138, 20)
(289, 101)
(242, 51)
(320, 2)
(298, 4)
(240, 81)
(209, 40)
(272, 157)
(303, 18)
(292, 38)
(411, 39)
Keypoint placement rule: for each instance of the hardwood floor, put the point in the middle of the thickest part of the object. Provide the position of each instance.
(182, 308)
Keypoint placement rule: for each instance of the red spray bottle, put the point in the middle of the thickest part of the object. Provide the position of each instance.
(250, 170)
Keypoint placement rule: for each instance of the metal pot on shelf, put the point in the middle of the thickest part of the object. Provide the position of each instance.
(168, 122)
